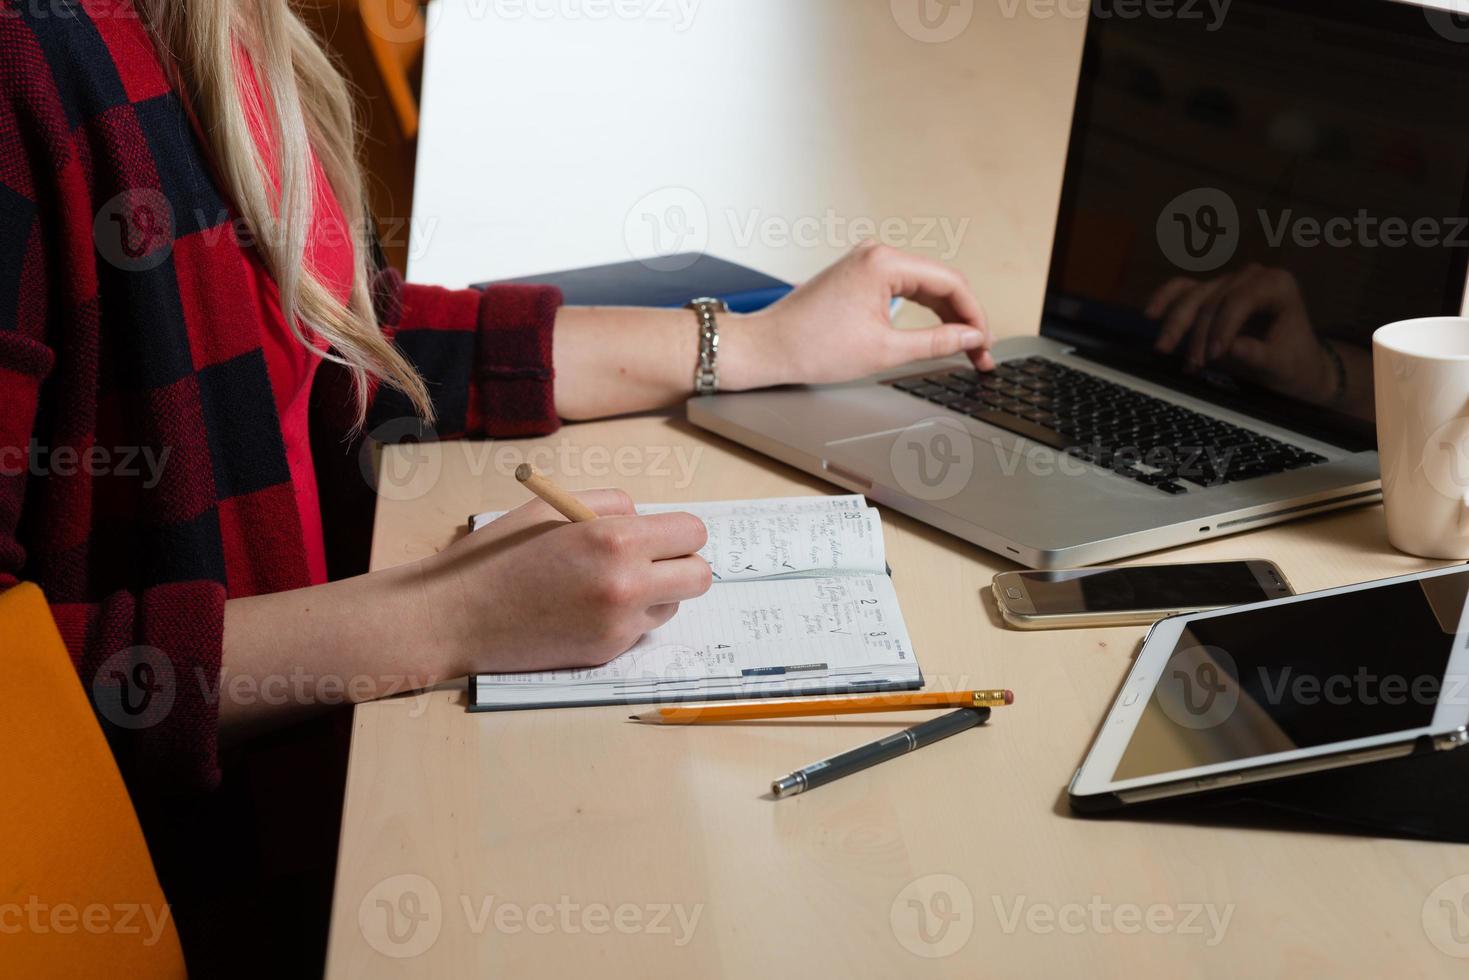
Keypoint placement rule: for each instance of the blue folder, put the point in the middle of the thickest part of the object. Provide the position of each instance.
(667, 281)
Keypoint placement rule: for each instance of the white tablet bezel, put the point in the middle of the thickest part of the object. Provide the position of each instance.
(1094, 777)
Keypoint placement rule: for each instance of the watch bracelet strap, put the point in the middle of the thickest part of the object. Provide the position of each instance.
(706, 371)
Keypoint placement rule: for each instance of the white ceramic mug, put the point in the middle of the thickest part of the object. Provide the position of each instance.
(1421, 369)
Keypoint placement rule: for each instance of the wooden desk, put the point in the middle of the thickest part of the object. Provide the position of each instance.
(581, 809)
(593, 833)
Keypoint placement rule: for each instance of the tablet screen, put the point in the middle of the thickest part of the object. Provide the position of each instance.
(1293, 675)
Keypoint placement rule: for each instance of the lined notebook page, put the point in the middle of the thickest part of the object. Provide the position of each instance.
(743, 639)
(786, 544)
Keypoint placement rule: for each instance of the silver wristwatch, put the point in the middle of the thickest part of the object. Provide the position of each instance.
(706, 373)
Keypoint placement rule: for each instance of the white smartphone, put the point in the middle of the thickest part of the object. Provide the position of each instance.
(1274, 689)
(1132, 595)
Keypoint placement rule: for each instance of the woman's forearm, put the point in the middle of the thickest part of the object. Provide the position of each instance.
(530, 592)
(619, 360)
(834, 328)
(290, 654)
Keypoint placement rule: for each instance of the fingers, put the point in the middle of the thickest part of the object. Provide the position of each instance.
(668, 584)
(674, 581)
(945, 340)
(982, 359)
(607, 502)
(672, 535)
(656, 616)
(678, 579)
(940, 288)
(651, 538)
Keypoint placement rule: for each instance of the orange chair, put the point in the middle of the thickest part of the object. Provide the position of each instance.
(394, 35)
(380, 46)
(78, 895)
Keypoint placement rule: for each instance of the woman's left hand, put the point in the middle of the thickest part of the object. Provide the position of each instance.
(837, 326)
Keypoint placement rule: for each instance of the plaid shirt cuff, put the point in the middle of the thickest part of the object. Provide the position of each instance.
(513, 390)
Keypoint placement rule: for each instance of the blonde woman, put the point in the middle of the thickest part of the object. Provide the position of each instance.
(188, 295)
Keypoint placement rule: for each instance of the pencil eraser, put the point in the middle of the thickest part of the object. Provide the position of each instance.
(1009, 697)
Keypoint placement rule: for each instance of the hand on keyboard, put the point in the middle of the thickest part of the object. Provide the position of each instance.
(837, 326)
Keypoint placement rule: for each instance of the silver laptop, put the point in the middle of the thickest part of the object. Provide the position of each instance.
(1324, 141)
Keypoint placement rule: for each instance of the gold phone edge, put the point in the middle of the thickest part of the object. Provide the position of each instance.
(1132, 617)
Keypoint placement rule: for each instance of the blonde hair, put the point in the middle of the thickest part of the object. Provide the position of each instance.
(308, 107)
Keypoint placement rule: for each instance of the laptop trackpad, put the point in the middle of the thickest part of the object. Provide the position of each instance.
(941, 461)
(935, 459)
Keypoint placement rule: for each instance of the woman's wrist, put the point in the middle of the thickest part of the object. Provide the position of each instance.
(419, 615)
(749, 353)
(441, 613)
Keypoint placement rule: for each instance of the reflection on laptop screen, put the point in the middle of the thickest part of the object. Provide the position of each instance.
(1289, 175)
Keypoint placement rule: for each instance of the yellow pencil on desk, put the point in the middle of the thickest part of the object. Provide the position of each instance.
(696, 714)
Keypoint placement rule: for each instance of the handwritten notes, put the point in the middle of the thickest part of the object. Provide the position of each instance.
(801, 605)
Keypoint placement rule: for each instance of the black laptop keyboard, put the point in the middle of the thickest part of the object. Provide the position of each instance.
(1134, 435)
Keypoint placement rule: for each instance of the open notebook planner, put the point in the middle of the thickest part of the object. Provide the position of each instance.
(801, 605)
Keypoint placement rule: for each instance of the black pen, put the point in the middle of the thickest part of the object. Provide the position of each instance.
(828, 770)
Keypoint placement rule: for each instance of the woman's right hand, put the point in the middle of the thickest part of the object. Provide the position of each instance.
(533, 591)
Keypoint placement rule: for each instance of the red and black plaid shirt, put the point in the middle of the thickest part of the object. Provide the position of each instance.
(143, 477)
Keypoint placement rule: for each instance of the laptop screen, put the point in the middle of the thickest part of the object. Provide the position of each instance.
(1253, 187)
